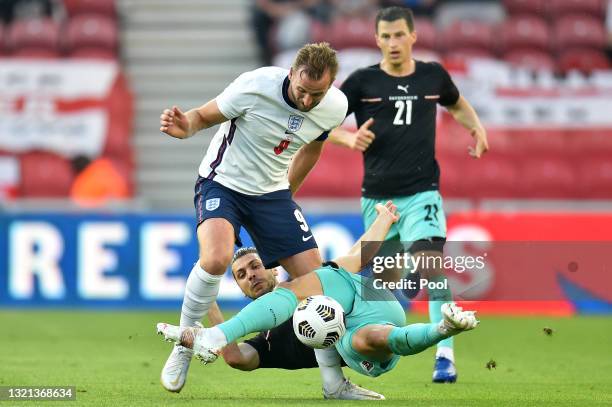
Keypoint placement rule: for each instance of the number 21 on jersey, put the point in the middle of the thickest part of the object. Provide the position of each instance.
(404, 112)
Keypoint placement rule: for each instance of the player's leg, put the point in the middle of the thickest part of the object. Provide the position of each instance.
(380, 341)
(216, 236)
(301, 263)
(216, 243)
(266, 312)
(423, 222)
(286, 239)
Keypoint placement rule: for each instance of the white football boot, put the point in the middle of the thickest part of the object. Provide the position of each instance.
(174, 373)
(350, 391)
(456, 320)
(203, 346)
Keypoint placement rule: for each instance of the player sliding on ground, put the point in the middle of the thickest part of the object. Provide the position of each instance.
(277, 348)
(376, 334)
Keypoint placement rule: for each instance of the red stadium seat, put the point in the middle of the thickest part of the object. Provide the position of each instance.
(596, 177)
(463, 34)
(457, 58)
(352, 33)
(526, 142)
(103, 7)
(584, 60)
(595, 8)
(45, 175)
(491, 177)
(525, 32)
(453, 183)
(319, 32)
(34, 36)
(338, 173)
(536, 7)
(548, 177)
(583, 141)
(579, 31)
(530, 58)
(426, 34)
(452, 139)
(84, 33)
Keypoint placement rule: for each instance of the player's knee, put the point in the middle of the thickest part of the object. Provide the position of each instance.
(369, 340)
(215, 264)
(236, 363)
(376, 339)
(360, 343)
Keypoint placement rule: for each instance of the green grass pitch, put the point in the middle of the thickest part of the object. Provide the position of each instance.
(114, 359)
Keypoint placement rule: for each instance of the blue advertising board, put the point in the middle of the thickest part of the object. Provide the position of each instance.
(120, 260)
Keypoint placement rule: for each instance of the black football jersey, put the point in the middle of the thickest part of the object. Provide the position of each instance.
(401, 159)
(279, 348)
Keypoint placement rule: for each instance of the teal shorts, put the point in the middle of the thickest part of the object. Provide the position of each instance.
(421, 216)
(363, 306)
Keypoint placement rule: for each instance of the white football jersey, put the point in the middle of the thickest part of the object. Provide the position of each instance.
(251, 152)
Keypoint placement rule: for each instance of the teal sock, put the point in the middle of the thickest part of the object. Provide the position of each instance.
(264, 313)
(437, 297)
(414, 338)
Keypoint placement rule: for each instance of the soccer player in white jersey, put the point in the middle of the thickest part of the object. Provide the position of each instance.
(273, 124)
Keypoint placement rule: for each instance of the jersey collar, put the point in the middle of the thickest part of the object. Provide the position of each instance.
(286, 93)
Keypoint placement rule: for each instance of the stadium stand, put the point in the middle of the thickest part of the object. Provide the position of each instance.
(472, 35)
(565, 38)
(521, 7)
(579, 31)
(91, 35)
(558, 8)
(45, 175)
(584, 60)
(525, 32)
(427, 35)
(560, 39)
(87, 35)
(530, 58)
(34, 38)
(346, 33)
(100, 7)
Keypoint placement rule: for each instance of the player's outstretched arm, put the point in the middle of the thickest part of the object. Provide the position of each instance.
(181, 125)
(304, 160)
(240, 356)
(359, 140)
(355, 260)
(464, 113)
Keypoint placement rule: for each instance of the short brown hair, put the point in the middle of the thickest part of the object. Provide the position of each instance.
(395, 13)
(243, 251)
(316, 59)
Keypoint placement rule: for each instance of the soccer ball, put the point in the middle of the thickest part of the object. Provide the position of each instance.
(318, 321)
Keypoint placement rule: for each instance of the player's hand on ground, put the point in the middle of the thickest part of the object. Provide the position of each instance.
(482, 145)
(363, 137)
(388, 210)
(174, 123)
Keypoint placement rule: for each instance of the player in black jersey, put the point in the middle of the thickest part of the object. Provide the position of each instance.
(279, 347)
(395, 103)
